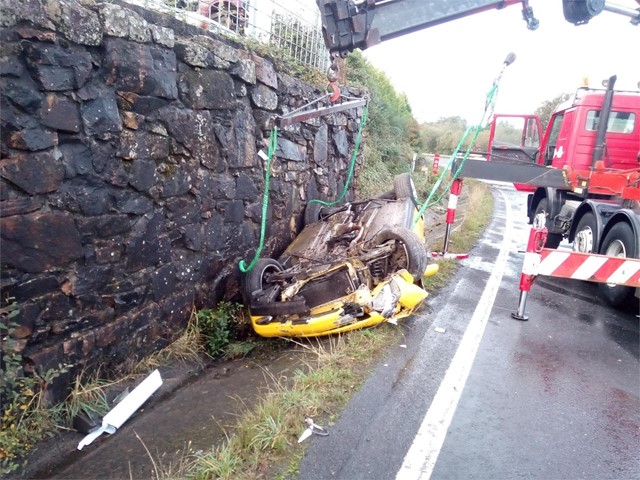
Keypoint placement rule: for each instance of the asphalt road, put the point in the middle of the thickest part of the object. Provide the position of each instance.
(475, 394)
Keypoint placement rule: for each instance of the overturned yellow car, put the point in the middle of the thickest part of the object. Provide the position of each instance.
(351, 267)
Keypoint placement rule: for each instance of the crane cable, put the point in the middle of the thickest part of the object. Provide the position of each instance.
(273, 145)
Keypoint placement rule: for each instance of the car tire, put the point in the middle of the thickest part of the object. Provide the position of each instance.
(553, 239)
(312, 213)
(412, 257)
(404, 187)
(258, 277)
(619, 242)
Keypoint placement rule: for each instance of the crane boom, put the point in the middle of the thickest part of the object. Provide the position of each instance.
(347, 26)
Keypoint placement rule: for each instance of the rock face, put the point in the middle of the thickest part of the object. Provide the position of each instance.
(130, 181)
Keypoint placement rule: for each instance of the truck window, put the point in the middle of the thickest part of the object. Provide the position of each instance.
(553, 138)
(619, 122)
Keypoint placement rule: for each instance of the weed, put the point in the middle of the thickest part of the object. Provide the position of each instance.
(25, 418)
(216, 326)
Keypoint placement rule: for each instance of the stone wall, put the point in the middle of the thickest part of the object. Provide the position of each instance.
(130, 184)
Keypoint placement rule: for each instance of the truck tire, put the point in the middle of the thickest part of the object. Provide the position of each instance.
(258, 277)
(553, 239)
(404, 187)
(410, 252)
(586, 237)
(619, 242)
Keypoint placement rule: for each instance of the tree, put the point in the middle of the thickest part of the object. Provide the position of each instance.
(547, 107)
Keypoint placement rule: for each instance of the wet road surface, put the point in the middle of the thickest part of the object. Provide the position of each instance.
(557, 397)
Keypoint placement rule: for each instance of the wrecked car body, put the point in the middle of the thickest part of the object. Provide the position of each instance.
(351, 267)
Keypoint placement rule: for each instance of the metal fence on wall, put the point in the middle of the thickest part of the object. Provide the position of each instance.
(292, 26)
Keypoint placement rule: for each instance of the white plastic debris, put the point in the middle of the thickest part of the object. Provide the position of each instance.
(311, 429)
(440, 329)
(127, 407)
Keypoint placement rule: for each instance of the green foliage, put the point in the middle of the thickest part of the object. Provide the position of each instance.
(392, 133)
(217, 326)
(547, 107)
(24, 418)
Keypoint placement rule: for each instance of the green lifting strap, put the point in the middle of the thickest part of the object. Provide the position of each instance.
(273, 145)
(351, 168)
(489, 104)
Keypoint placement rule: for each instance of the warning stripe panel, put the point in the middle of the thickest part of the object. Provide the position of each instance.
(590, 267)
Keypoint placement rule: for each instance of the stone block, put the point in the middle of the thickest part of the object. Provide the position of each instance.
(32, 138)
(19, 206)
(148, 243)
(246, 188)
(100, 115)
(208, 90)
(39, 241)
(142, 175)
(265, 72)
(140, 68)
(131, 202)
(77, 159)
(264, 98)
(60, 113)
(234, 211)
(135, 144)
(34, 173)
(122, 22)
(195, 131)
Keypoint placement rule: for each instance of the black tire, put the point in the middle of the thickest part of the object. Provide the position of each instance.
(312, 213)
(410, 252)
(553, 239)
(619, 242)
(258, 277)
(589, 237)
(404, 187)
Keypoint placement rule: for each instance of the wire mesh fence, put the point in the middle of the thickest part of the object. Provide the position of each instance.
(292, 26)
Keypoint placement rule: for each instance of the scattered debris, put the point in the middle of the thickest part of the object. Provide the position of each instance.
(311, 429)
(127, 407)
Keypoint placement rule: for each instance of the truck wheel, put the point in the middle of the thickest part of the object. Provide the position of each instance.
(586, 238)
(619, 242)
(404, 187)
(257, 278)
(553, 239)
(409, 253)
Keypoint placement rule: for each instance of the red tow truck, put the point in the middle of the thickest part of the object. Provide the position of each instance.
(591, 191)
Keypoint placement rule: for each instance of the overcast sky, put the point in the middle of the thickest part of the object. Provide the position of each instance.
(447, 70)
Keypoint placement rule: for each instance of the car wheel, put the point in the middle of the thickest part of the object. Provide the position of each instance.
(409, 252)
(404, 187)
(312, 213)
(619, 242)
(553, 239)
(586, 237)
(258, 278)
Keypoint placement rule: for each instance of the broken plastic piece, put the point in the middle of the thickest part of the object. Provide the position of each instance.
(127, 407)
(311, 429)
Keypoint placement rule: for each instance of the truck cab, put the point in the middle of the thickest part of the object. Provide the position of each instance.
(571, 134)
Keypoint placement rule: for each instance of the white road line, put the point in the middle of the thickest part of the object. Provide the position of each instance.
(423, 453)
